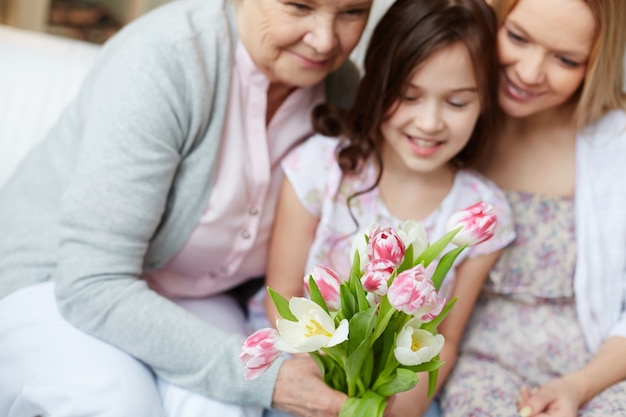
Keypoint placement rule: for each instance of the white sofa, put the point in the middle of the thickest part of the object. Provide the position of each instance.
(39, 74)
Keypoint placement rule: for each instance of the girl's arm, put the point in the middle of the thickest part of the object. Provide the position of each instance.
(562, 397)
(292, 236)
(470, 276)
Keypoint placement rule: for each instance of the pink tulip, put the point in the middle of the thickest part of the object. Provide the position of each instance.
(386, 244)
(258, 352)
(328, 283)
(477, 222)
(377, 273)
(413, 292)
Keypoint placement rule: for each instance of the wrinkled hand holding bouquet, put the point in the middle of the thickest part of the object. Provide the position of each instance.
(372, 332)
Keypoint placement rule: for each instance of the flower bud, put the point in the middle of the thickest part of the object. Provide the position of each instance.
(477, 224)
(414, 293)
(258, 352)
(328, 283)
(386, 244)
(377, 273)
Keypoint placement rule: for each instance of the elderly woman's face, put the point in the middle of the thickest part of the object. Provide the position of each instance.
(298, 43)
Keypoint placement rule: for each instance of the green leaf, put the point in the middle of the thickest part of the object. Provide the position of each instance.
(361, 297)
(360, 343)
(356, 264)
(348, 301)
(445, 263)
(316, 295)
(429, 366)
(362, 327)
(432, 382)
(368, 368)
(354, 364)
(370, 404)
(433, 250)
(385, 313)
(359, 293)
(282, 305)
(338, 353)
(333, 374)
(407, 262)
(403, 380)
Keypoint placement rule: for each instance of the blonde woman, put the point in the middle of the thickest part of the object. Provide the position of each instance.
(548, 336)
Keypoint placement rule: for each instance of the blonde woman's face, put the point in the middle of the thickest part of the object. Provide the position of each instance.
(298, 43)
(544, 49)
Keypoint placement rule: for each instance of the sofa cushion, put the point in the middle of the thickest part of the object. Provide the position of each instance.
(39, 74)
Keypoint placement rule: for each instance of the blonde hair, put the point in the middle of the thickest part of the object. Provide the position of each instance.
(603, 86)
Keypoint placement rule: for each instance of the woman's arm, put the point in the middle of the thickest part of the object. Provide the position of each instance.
(292, 235)
(563, 397)
(470, 276)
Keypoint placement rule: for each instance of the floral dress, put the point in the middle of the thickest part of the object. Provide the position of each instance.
(524, 330)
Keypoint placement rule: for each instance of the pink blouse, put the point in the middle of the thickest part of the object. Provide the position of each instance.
(229, 244)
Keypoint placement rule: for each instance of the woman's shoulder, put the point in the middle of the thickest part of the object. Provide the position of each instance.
(611, 124)
(177, 23)
(314, 150)
(312, 171)
(311, 162)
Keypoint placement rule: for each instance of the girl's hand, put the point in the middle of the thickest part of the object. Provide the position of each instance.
(557, 398)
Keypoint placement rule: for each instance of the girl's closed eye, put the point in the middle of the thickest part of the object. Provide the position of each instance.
(457, 104)
(462, 100)
(410, 96)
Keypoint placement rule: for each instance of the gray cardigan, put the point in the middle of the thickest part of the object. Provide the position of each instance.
(119, 184)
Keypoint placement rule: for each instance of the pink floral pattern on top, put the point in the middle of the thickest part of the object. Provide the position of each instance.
(324, 190)
(524, 329)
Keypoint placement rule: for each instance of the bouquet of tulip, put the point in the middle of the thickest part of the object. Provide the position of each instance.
(371, 333)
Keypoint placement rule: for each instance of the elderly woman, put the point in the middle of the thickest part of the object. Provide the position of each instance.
(150, 202)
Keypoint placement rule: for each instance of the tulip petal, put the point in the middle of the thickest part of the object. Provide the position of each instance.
(341, 333)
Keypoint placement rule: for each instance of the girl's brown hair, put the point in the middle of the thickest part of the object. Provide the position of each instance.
(603, 87)
(409, 33)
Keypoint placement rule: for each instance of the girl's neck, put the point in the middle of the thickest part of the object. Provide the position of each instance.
(410, 195)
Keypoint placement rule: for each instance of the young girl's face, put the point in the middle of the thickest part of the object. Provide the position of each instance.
(435, 118)
(544, 47)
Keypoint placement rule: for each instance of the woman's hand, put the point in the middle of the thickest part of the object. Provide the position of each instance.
(562, 397)
(300, 390)
(558, 398)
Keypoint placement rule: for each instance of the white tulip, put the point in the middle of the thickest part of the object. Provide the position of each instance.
(415, 346)
(413, 233)
(314, 329)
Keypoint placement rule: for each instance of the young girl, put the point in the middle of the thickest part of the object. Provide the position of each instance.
(550, 329)
(422, 118)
